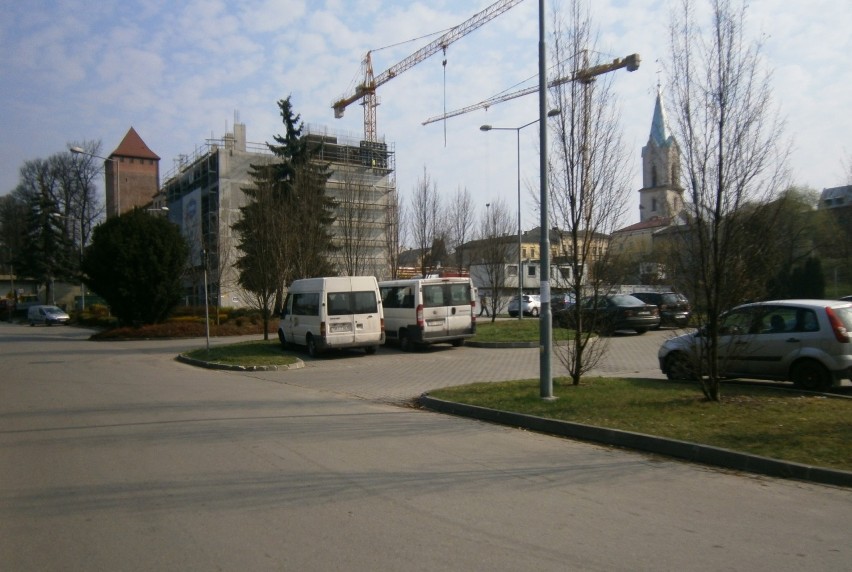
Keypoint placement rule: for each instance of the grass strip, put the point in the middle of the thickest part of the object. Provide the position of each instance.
(778, 424)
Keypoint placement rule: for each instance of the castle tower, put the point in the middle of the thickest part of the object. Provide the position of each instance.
(661, 195)
(132, 175)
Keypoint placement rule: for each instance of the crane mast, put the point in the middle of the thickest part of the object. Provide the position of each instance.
(366, 90)
(630, 62)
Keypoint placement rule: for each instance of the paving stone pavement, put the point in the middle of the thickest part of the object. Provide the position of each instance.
(395, 376)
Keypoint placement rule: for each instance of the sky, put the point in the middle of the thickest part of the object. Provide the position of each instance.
(181, 72)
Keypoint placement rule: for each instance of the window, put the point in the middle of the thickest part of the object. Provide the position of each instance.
(306, 304)
(531, 270)
(345, 303)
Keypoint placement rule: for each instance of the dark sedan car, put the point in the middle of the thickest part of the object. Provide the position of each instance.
(607, 314)
(674, 308)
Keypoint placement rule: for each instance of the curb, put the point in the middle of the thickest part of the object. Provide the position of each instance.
(501, 344)
(213, 365)
(685, 450)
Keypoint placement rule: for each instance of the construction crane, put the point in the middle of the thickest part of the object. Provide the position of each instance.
(630, 62)
(366, 90)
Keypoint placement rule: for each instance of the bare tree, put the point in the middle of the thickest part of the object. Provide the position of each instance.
(460, 221)
(493, 250)
(425, 219)
(730, 136)
(589, 180)
(354, 224)
(396, 234)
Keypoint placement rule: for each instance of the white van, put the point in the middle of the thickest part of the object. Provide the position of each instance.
(47, 315)
(332, 313)
(423, 311)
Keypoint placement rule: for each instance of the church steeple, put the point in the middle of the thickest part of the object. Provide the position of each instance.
(661, 195)
(659, 129)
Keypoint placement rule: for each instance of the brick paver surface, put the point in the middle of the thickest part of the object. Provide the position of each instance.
(393, 375)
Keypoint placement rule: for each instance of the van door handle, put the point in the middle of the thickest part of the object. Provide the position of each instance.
(453, 311)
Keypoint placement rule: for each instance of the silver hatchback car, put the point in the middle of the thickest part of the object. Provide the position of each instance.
(530, 306)
(808, 342)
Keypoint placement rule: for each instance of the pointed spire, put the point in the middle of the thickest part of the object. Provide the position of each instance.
(133, 146)
(659, 130)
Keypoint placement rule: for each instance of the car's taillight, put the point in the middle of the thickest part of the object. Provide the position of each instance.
(420, 316)
(472, 311)
(840, 331)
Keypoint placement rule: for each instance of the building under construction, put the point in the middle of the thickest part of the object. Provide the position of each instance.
(204, 192)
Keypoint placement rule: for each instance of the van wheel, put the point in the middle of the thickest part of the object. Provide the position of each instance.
(810, 375)
(534, 312)
(282, 339)
(370, 350)
(313, 351)
(458, 343)
(405, 342)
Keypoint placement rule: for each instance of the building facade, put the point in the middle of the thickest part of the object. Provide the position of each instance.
(204, 193)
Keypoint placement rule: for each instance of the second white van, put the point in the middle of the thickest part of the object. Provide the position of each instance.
(333, 313)
(422, 311)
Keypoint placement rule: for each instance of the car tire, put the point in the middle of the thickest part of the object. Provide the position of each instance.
(457, 343)
(679, 368)
(313, 351)
(641, 331)
(534, 312)
(282, 339)
(810, 375)
(370, 350)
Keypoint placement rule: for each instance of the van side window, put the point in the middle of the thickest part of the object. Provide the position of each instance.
(306, 304)
(397, 297)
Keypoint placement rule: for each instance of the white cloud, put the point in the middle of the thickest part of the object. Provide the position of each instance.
(178, 72)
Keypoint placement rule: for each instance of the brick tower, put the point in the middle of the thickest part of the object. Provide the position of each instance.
(132, 175)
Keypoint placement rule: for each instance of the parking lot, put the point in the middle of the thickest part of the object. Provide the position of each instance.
(394, 376)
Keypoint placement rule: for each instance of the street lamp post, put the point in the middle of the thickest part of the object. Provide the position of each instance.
(116, 177)
(517, 131)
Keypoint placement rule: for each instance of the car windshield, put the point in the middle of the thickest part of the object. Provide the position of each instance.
(52, 310)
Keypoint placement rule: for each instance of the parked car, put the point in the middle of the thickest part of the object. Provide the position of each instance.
(560, 302)
(47, 315)
(531, 305)
(803, 341)
(846, 298)
(674, 308)
(607, 314)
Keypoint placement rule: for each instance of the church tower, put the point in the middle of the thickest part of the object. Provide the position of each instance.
(132, 174)
(661, 195)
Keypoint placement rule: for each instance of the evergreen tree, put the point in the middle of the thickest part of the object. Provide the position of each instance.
(135, 262)
(284, 229)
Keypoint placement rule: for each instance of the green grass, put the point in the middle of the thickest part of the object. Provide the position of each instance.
(512, 330)
(784, 425)
(246, 353)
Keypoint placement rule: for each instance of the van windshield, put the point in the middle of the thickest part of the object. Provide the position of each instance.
(345, 303)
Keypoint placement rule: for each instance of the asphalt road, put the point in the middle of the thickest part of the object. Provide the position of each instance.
(113, 456)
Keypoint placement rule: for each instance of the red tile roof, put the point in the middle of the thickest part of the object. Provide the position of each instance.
(133, 146)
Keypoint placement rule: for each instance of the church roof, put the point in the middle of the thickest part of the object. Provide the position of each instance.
(133, 146)
(654, 222)
(659, 129)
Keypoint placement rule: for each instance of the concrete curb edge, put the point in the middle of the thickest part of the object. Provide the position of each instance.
(684, 450)
(213, 365)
